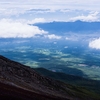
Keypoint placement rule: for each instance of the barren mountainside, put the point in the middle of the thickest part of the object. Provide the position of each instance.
(18, 81)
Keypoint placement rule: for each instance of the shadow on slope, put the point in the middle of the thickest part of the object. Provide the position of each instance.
(92, 85)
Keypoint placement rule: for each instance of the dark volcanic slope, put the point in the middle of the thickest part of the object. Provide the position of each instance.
(92, 85)
(22, 82)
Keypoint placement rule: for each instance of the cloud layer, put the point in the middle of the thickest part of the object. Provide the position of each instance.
(21, 8)
(95, 44)
(54, 3)
(10, 28)
(90, 17)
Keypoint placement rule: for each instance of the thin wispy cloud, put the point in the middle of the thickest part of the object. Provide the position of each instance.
(91, 17)
(52, 36)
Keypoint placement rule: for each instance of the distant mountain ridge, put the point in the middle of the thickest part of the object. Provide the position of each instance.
(22, 82)
(77, 26)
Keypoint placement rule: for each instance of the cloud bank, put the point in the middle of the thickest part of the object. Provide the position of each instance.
(14, 29)
(91, 17)
(16, 7)
(94, 4)
(95, 44)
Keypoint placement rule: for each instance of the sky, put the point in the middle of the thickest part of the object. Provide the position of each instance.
(47, 10)
(17, 14)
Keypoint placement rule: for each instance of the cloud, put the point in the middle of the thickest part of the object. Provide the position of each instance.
(73, 37)
(41, 11)
(65, 10)
(52, 36)
(15, 7)
(52, 10)
(13, 29)
(95, 44)
(91, 17)
(36, 20)
(67, 38)
(28, 21)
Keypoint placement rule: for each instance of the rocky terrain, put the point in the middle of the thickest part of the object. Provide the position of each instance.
(18, 81)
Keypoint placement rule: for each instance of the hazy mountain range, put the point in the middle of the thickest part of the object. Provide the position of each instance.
(74, 27)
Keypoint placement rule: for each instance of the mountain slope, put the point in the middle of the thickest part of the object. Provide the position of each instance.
(92, 85)
(63, 27)
(22, 82)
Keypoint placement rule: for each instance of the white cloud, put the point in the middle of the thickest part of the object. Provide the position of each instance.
(67, 38)
(10, 28)
(65, 10)
(72, 38)
(52, 36)
(16, 7)
(95, 44)
(91, 17)
(26, 21)
(36, 20)
(52, 10)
